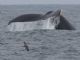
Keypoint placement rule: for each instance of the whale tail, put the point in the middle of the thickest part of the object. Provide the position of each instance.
(50, 20)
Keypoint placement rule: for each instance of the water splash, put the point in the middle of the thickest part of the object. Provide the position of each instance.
(34, 25)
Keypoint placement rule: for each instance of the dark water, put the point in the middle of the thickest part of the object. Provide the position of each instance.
(43, 44)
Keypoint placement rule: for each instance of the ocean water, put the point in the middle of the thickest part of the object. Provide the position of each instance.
(43, 44)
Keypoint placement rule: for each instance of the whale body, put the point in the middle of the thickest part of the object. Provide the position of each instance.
(50, 20)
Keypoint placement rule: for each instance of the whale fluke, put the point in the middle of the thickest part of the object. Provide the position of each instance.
(51, 14)
(26, 18)
(64, 24)
(50, 20)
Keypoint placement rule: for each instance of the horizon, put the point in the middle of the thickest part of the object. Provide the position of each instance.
(27, 2)
(40, 4)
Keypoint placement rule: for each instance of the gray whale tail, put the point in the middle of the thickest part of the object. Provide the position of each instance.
(50, 20)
